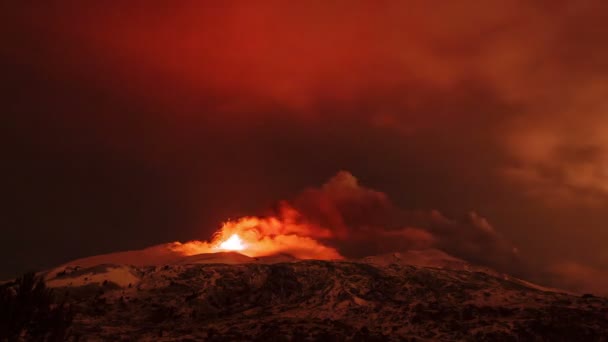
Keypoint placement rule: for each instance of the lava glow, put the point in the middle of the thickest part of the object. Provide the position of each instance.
(234, 243)
(264, 236)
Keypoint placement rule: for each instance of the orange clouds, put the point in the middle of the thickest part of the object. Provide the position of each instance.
(543, 58)
(377, 61)
(293, 55)
(490, 92)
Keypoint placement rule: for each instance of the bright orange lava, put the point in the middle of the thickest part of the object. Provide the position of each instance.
(234, 243)
(263, 236)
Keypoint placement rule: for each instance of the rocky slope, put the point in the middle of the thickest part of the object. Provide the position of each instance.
(379, 298)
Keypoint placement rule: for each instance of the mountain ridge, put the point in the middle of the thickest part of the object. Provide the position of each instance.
(384, 297)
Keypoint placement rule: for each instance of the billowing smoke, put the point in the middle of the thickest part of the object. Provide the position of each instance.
(345, 219)
(366, 222)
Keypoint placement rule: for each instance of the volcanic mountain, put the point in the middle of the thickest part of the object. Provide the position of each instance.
(226, 296)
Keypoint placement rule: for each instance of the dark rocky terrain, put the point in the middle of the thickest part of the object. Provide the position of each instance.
(320, 300)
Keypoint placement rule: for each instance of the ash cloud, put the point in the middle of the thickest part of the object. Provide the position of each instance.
(362, 222)
(365, 222)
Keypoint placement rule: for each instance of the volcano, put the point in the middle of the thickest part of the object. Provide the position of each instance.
(282, 277)
(414, 295)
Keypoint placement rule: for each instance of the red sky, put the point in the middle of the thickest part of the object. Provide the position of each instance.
(135, 123)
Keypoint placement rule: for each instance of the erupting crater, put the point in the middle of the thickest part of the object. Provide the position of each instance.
(233, 243)
(256, 237)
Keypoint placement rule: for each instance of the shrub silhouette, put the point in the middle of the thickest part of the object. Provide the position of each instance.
(28, 311)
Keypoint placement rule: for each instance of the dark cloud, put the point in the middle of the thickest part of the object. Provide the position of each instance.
(365, 222)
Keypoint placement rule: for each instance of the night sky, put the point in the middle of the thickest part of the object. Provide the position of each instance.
(129, 124)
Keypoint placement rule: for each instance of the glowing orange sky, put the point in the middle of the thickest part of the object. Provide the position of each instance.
(149, 121)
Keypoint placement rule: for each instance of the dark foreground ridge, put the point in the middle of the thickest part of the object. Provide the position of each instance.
(320, 300)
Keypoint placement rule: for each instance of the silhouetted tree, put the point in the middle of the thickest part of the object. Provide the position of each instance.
(28, 311)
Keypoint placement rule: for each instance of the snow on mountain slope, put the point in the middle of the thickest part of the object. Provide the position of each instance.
(125, 269)
(155, 255)
(118, 268)
(326, 300)
(74, 276)
(157, 295)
